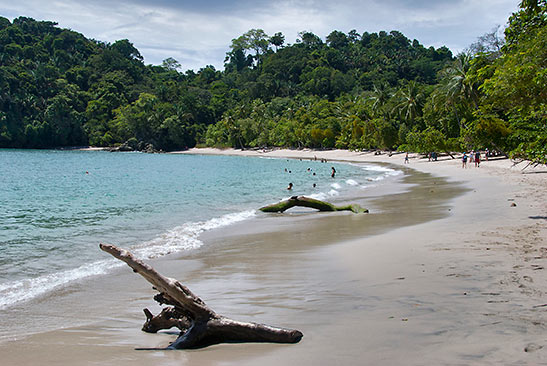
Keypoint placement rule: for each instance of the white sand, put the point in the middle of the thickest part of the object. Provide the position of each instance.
(467, 289)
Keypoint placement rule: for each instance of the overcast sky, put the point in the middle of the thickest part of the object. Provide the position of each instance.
(199, 32)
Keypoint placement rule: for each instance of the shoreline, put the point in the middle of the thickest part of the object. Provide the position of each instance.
(238, 272)
(488, 257)
(468, 287)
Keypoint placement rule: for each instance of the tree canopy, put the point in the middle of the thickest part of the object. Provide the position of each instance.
(354, 91)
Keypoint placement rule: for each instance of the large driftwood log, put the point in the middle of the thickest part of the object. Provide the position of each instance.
(312, 203)
(200, 326)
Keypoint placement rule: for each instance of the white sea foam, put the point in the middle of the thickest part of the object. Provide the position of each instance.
(351, 182)
(336, 185)
(319, 196)
(184, 237)
(333, 192)
(23, 290)
(381, 169)
(384, 171)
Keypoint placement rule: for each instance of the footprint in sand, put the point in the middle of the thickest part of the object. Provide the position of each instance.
(532, 347)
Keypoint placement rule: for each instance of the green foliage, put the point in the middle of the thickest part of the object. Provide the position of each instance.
(428, 141)
(352, 91)
(254, 40)
(171, 64)
(277, 40)
(58, 88)
(515, 87)
(489, 130)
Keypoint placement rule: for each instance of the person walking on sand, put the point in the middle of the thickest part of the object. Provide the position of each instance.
(333, 173)
(477, 159)
(406, 158)
(464, 160)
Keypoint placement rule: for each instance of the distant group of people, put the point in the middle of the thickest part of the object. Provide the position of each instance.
(432, 156)
(474, 157)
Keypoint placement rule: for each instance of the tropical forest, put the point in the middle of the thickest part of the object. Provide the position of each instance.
(358, 91)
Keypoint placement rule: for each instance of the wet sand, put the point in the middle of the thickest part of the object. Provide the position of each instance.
(443, 271)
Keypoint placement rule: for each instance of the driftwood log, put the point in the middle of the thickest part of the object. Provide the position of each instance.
(311, 203)
(200, 326)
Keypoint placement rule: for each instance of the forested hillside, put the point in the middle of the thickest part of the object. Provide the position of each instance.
(356, 91)
(58, 88)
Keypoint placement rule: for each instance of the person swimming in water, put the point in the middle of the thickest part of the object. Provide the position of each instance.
(333, 173)
(289, 187)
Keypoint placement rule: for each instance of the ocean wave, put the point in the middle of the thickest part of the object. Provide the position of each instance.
(384, 171)
(12, 293)
(319, 196)
(381, 169)
(184, 237)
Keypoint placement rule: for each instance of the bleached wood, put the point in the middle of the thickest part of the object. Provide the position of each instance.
(200, 326)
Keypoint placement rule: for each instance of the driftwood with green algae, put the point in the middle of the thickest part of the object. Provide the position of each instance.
(200, 326)
(311, 203)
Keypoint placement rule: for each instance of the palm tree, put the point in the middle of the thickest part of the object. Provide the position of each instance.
(410, 103)
(458, 92)
(380, 96)
(459, 87)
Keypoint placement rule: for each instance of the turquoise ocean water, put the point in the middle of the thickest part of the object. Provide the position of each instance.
(56, 206)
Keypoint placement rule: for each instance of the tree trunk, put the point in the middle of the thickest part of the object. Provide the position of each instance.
(200, 326)
(449, 153)
(311, 203)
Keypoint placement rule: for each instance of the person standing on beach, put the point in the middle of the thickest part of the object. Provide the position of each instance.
(333, 173)
(464, 160)
(477, 159)
(406, 158)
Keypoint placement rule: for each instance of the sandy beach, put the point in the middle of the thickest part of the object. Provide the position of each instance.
(447, 269)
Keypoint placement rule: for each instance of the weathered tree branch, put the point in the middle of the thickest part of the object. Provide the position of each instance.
(311, 203)
(200, 326)
(171, 289)
(167, 319)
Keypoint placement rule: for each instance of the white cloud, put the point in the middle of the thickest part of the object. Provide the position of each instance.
(200, 33)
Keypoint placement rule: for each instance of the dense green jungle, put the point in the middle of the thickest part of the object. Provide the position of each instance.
(349, 91)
